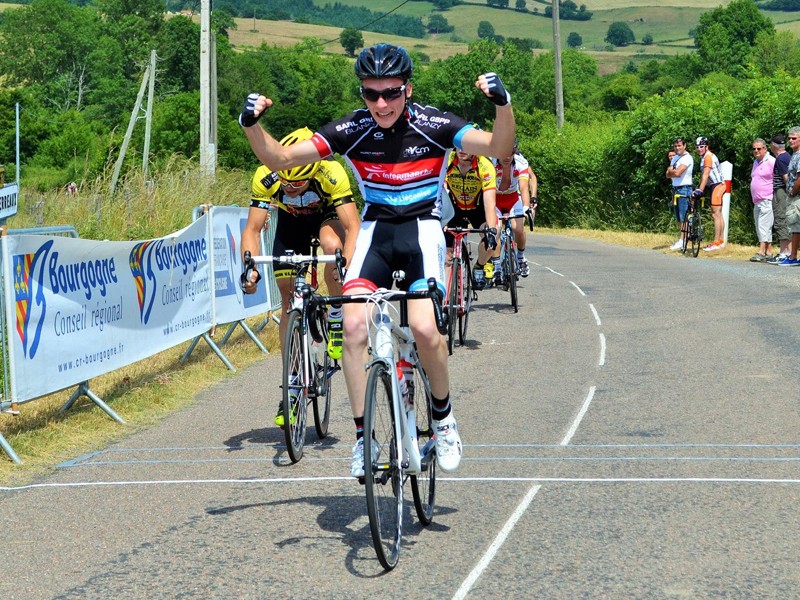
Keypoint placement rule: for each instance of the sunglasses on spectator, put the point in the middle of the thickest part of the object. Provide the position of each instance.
(296, 185)
(388, 94)
(759, 149)
(702, 145)
(792, 138)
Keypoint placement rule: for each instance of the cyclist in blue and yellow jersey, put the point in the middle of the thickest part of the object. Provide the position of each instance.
(470, 183)
(397, 150)
(315, 201)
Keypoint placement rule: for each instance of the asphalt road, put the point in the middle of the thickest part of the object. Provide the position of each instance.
(631, 433)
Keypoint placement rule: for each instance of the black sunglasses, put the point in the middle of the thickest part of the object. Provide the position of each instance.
(388, 94)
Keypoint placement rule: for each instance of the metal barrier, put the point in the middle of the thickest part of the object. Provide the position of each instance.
(267, 239)
(5, 405)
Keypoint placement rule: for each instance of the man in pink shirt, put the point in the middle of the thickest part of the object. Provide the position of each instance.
(761, 192)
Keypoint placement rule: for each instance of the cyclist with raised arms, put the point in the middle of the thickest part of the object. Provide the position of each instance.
(397, 150)
(470, 183)
(514, 198)
(315, 201)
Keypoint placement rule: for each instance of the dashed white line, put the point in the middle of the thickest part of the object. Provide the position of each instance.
(596, 316)
(579, 418)
(498, 541)
(577, 287)
(554, 272)
(602, 351)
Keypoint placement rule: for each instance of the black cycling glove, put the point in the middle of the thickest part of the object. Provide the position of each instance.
(248, 117)
(498, 93)
(490, 240)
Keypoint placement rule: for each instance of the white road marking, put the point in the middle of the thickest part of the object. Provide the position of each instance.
(295, 480)
(577, 287)
(554, 272)
(580, 416)
(602, 350)
(495, 546)
(596, 316)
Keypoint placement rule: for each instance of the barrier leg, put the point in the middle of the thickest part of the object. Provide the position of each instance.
(213, 346)
(253, 337)
(83, 390)
(9, 450)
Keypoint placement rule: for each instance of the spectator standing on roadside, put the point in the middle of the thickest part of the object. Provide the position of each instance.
(711, 177)
(761, 193)
(680, 172)
(793, 198)
(779, 175)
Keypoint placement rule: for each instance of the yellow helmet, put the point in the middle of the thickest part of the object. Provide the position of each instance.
(302, 172)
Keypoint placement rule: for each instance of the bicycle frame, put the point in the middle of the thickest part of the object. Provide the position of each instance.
(389, 340)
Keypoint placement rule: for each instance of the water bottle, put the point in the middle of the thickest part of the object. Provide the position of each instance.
(405, 379)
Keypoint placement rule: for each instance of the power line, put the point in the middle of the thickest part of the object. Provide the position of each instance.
(371, 22)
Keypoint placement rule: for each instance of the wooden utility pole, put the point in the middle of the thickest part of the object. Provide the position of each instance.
(557, 60)
(208, 145)
(148, 121)
(134, 116)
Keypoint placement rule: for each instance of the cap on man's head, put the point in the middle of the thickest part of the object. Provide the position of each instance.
(778, 140)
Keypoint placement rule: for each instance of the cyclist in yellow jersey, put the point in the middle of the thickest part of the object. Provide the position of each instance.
(314, 201)
(470, 181)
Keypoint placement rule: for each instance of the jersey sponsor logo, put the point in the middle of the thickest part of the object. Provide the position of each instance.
(416, 151)
(378, 135)
(343, 126)
(380, 173)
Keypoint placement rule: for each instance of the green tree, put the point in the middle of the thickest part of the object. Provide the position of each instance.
(177, 45)
(485, 30)
(726, 35)
(772, 53)
(647, 39)
(351, 40)
(438, 24)
(620, 34)
(574, 40)
(520, 5)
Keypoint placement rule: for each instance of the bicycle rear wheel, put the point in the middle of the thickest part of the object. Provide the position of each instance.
(295, 388)
(510, 272)
(326, 382)
(383, 475)
(697, 234)
(466, 294)
(423, 485)
(452, 304)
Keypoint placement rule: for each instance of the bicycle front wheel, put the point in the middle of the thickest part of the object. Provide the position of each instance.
(697, 234)
(383, 475)
(423, 484)
(295, 388)
(466, 295)
(452, 303)
(510, 272)
(326, 370)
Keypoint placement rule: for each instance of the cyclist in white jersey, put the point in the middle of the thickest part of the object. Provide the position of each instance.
(398, 152)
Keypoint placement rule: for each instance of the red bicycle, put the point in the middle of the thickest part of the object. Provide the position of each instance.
(460, 285)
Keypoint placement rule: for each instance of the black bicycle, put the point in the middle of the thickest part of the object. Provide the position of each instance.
(692, 226)
(308, 370)
(508, 258)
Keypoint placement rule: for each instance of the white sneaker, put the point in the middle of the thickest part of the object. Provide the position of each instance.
(678, 245)
(357, 462)
(448, 443)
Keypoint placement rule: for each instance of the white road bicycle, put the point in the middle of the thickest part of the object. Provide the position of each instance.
(397, 417)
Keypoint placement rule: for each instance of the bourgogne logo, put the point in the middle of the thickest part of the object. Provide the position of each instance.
(29, 296)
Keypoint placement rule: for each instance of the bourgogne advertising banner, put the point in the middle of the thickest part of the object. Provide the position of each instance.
(80, 308)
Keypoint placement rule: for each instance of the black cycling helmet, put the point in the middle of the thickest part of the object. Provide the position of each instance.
(701, 141)
(384, 60)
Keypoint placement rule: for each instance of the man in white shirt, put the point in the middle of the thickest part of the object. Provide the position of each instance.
(680, 171)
